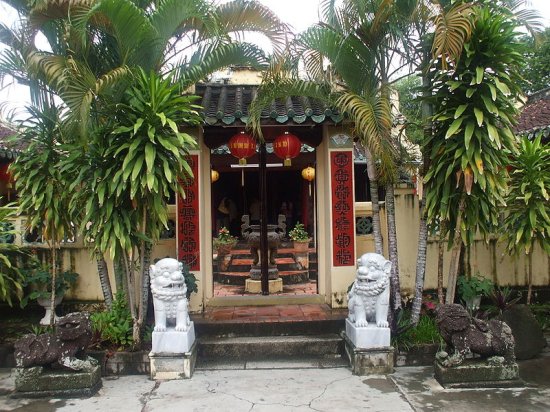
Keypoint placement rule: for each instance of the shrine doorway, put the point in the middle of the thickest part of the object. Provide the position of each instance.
(288, 199)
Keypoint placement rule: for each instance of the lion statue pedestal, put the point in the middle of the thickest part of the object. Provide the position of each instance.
(367, 333)
(479, 353)
(54, 364)
(173, 351)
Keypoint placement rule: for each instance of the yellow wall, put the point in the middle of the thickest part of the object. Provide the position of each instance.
(489, 259)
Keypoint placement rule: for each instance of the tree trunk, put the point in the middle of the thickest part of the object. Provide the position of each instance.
(440, 252)
(427, 112)
(103, 273)
(395, 289)
(144, 304)
(530, 276)
(455, 255)
(121, 280)
(373, 182)
(420, 262)
(54, 281)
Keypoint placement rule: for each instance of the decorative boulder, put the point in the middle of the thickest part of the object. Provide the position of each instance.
(527, 332)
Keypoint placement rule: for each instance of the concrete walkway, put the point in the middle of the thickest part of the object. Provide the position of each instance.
(296, 386)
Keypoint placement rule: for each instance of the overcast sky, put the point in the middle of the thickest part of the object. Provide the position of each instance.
(300, 14)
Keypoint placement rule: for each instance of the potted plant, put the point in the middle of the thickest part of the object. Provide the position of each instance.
(38, 279)
(471, 289)
(224, 242)
(299, 237)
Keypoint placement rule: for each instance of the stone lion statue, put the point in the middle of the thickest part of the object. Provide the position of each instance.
(72, 336)
(465, 334)
(169, 295)
(368, 299)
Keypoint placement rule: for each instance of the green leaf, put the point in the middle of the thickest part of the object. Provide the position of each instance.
(454, 127)
(137, 125)
(479, 116)
(489, 105)
(150, 153)
(468, 132)
(136, 170)
(162, 117)
(493, 92)
(470, 92)
(502, 87)
(460, 109)
(150, 180)
(479, 74)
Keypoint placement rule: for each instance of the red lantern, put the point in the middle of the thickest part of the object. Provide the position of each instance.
(287, 146)
(241, 146)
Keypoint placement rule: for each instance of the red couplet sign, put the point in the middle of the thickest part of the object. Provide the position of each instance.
(188, 238)
(343, 237)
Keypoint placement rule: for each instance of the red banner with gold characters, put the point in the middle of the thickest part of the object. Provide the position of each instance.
(343, 237)
(188, 239)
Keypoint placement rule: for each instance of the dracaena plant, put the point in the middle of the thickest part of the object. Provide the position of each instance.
(474, 100)
(527, 219)
(138, 161)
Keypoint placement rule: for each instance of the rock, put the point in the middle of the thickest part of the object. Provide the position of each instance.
(527, 332)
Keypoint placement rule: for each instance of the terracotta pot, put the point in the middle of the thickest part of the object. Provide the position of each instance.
(300, 246)
(225, 249)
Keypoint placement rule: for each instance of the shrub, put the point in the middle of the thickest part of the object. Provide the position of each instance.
(113, 327)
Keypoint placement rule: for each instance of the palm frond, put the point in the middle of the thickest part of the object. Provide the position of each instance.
(128, 24)
(452, 30)
(348, 56)
(239, 16)
(371, 114)
(281, 88)
(173, 17)
(215, 57)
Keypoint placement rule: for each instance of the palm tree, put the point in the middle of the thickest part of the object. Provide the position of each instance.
(120, 67)
(348, 57)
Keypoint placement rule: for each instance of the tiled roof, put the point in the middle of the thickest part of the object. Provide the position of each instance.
(535, 116)
(228, 105)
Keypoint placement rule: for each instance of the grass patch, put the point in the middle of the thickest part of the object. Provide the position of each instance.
(425, 332)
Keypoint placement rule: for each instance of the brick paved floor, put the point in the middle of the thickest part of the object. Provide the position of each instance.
(274, 313)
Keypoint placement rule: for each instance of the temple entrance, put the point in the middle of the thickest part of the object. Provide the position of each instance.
(237, 203)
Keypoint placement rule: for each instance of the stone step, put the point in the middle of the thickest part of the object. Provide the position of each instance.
(268, 326)
(280, 362)
(248, 348)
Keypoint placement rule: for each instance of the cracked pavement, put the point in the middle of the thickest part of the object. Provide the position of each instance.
(296, 389)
